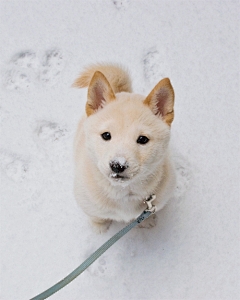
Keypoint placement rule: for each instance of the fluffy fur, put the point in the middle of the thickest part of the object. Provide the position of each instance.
(106, 195)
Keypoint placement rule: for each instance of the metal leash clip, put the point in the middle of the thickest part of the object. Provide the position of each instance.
(150, 207)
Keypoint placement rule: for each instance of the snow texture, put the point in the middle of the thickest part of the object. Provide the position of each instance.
(120, 160)
(192, 252)
(26, 69)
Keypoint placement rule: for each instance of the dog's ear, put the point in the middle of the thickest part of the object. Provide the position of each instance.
(99, 93)
(161, 100)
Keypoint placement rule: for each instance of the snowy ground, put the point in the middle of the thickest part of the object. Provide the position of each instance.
(193, 252)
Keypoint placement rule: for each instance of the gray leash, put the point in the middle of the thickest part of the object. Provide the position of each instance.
(145, 214)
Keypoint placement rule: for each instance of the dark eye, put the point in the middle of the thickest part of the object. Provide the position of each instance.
(142, 139)
(106, 136)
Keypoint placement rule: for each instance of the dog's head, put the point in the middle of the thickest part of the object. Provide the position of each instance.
(127, 135)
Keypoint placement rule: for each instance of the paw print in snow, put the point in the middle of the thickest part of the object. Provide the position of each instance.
(49, 132)
(3, 114)
(121, 4)
(183, 174)
(130, 246)
(52, 67)
(155, 66)
(26, 59)
(25, 69)
(52, 140)
(22, 71)
(99, 267)
(26, 174)
(17, 80)
(16, 168)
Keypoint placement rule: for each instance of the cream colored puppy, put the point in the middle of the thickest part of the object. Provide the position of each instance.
(121, 147)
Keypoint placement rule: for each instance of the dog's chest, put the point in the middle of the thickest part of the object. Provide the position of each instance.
(128, 205)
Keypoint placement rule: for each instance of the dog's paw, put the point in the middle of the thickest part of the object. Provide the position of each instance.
(100, 225)
(149, 222)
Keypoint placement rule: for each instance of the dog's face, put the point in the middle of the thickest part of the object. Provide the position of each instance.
(126, 134)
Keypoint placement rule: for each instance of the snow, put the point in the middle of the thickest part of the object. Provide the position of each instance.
(193, 252)
(120, 159)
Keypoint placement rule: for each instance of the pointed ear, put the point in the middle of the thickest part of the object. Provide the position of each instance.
(99, 93)
(161, 100)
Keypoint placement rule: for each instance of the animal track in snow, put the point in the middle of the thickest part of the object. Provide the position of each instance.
(49, 132)
(25, 60)
(3, 114)
(51, 138)
(16, 168)
(25, 69)
(154, 66)
(26, 174)
(99, 267)
(130, 245)
(183, 174)
(16, 79)
(121, 4)
(22, 70)
(52, 67)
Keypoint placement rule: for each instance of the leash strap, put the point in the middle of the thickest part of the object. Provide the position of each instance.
(55, 288)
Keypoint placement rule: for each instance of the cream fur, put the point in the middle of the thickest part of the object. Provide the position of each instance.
(126, 116)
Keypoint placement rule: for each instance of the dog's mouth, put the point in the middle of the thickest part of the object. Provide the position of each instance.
(118, 177)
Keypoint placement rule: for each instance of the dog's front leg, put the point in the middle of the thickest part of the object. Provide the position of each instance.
(99, 225)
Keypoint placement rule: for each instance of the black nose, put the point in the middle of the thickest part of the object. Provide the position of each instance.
(117, 167)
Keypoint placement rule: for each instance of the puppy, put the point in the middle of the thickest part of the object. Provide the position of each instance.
(121, 147)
